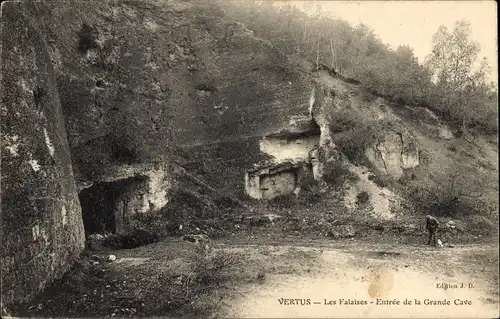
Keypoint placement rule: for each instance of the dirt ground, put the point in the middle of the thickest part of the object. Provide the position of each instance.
(247, 275)
(366, 272)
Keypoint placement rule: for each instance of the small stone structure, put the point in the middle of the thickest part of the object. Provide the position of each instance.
(293, 152)
(270, 181)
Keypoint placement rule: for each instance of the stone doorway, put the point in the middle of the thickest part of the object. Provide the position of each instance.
(104, 204)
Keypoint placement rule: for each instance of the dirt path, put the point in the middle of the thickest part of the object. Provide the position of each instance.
(261, 275)
(364, 273)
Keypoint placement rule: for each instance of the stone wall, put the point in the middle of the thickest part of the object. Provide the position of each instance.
(278, 184)
(41, 222)
(268, 182)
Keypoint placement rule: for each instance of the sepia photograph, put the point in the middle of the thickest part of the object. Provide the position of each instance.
(249, 159)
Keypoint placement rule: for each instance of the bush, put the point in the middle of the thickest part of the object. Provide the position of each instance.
(362, 198)
(380, 181)
(283, 201)
(308, 183)
(452, 194)
(87, 38)
(354, 143)
(367, 95)
(345, 121)
(337, 174)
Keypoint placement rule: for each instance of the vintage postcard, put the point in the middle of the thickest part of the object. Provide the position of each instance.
(249, 159)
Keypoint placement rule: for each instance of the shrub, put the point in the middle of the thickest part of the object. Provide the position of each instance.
(380, 181)
(337, 174)
(367, 95)
(308, 183)
(283, 201)
(354, 143)
(343, 123)
(362, 198)
(453, 193)
(87, 38)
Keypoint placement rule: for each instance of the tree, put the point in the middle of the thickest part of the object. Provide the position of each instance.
(458, 84)
(448, 82)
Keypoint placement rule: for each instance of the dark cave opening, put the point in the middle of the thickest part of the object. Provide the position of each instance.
(99, 204)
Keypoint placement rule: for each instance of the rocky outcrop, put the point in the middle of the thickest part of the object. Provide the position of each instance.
(323, 102)
(393, 149)
(41, 221)
(393, 153)
(293, 142)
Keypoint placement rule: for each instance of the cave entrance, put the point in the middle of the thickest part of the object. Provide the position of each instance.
(101, 209)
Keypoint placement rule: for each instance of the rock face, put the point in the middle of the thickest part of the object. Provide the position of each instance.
(140, 79)
(294, 142)
(121, 71)
(394, 153)
(100, 96)
(41, 221)
(98, 99)
(325, 99)
(116, 89)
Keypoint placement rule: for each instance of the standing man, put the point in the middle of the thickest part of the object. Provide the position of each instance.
(431, 225)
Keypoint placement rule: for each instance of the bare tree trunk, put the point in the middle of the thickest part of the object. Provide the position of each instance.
(333, 54)
(464, 117)
(317, 55)
(305, 37)
(464, 130)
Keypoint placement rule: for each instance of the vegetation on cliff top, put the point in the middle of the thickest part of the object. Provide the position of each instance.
(452, 81)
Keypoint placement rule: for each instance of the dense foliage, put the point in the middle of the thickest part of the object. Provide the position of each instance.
(449, 82)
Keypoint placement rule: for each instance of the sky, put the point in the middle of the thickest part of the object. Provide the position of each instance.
(414, 22)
